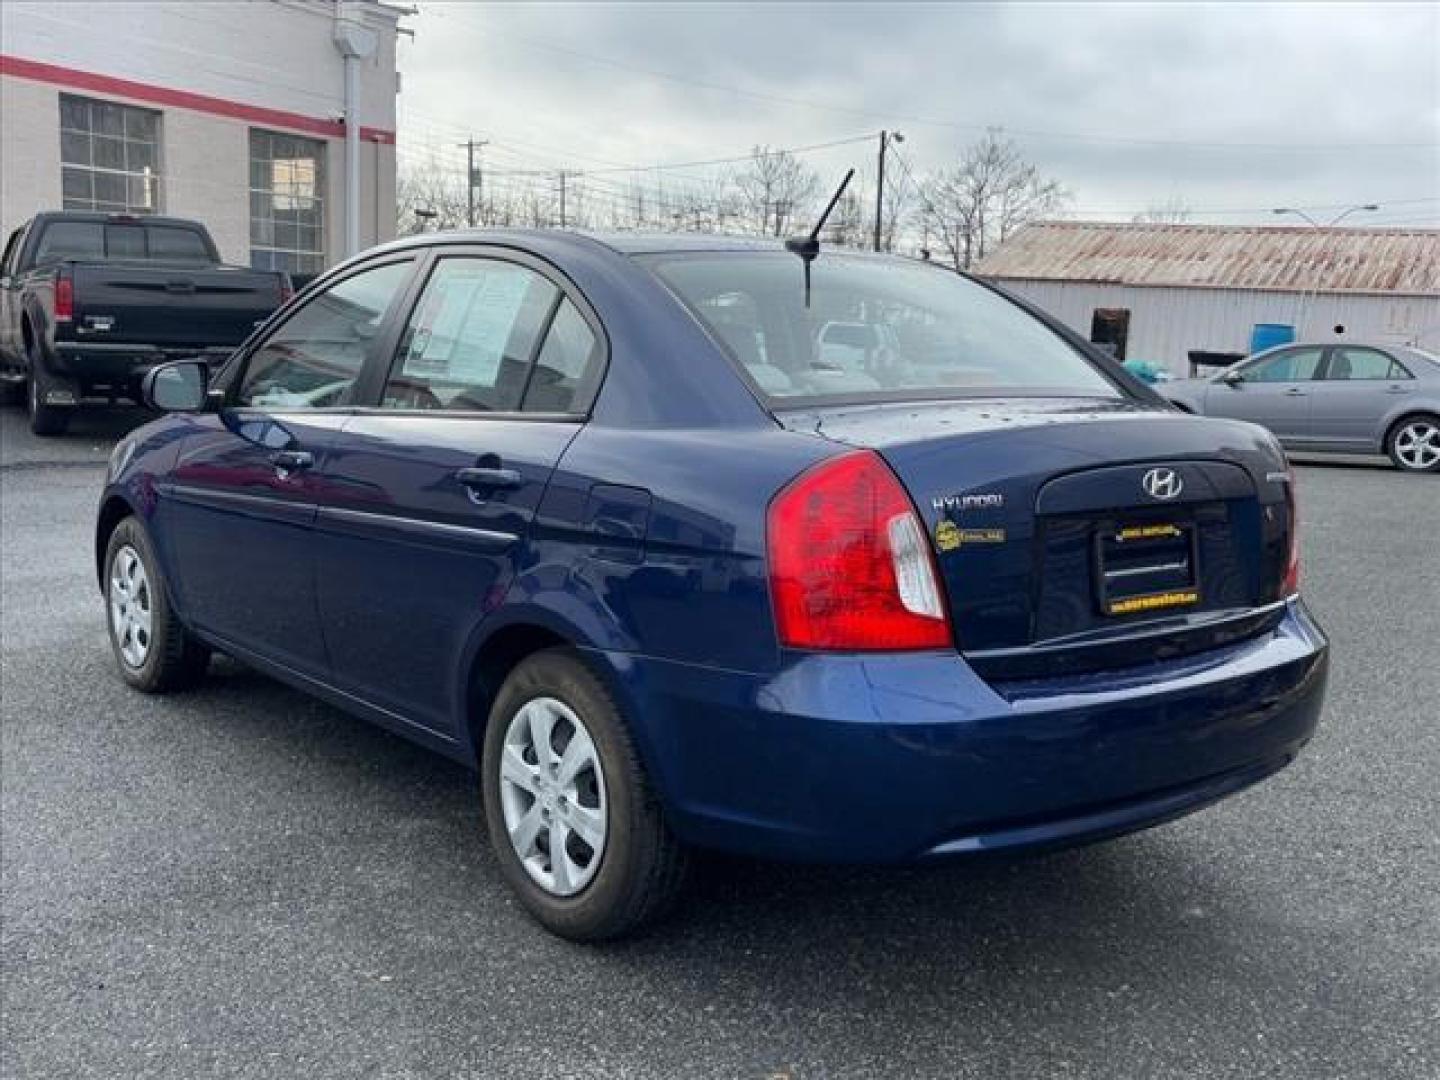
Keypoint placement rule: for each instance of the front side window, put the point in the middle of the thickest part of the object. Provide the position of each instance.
(312, 360)
(1292, 365)
(1361, 364)
(287, 203)
(874, 330)
(109, 156)
(471, 341)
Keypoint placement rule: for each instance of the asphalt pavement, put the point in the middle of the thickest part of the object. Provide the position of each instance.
(242, 882)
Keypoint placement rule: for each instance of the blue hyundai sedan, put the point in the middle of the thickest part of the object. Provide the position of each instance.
(681, 550)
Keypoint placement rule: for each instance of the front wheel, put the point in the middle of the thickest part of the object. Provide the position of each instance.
(154, 650)
(572, 817)
(1414, 444)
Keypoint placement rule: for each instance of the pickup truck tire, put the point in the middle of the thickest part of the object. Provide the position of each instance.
(153, 649)
(44, 419)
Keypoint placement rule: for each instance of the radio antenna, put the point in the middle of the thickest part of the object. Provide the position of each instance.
(808, 247)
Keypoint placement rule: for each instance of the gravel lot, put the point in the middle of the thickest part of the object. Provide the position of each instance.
(243, 882)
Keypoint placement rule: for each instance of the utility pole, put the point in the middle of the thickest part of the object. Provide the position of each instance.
(562, 198)
(472, 177)
(886, 137)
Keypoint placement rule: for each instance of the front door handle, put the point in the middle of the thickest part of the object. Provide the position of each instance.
(1397, 390)
(478, 478)
(1294, 391)
(292, 461)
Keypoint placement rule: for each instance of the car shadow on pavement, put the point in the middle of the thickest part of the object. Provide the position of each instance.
(1041, 909)
(92, 432)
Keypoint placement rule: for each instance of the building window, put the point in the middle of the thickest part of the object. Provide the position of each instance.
(109, 156)
(287, 203)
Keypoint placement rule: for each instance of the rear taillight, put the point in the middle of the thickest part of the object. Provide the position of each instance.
(287, 290)
(1290, 583)
(64, 298)
(850, 563)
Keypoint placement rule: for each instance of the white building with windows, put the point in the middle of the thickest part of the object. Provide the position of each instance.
(233, 113)
(1157, 293)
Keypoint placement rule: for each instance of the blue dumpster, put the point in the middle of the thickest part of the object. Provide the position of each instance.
(1266, 335)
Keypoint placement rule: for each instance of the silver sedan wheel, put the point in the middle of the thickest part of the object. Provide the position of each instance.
(552, 793)
(130, 606)
(1417, 444)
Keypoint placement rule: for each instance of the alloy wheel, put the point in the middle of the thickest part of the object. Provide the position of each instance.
(130, 606)
(1417, 444)
(552, 794)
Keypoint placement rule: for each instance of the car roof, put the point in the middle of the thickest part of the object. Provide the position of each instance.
(115, 218)
(625, 243)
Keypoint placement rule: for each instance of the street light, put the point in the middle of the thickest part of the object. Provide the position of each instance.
(1333, 221)
(1307, 294)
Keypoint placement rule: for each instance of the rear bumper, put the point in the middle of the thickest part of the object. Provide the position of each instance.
(906, 757)
(119, 365)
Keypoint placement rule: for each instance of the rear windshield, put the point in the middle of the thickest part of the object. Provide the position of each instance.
(120, 240)
(876, 329)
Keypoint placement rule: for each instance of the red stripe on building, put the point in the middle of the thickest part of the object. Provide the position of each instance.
(182, 99)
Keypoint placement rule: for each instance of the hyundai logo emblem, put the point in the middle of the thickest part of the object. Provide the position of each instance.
(1162, 483)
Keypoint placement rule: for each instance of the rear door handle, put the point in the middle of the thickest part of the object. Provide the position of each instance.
(1294, 391)
(1397, 390)
(478, 478)
(292, 461)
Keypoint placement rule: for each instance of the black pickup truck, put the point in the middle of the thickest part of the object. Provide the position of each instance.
(90, 302)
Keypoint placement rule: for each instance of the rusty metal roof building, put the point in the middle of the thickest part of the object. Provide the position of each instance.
(1402, 262)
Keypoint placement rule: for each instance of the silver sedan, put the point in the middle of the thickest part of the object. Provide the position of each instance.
(1358, 399)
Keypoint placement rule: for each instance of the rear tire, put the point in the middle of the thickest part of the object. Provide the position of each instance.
(44, 419)
(627, 868)
(155, 652)
(1414, 443)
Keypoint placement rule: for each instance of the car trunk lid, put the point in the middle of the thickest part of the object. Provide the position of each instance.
(1082, 534)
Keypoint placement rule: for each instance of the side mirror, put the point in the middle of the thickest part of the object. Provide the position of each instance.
(177, 387)
(1233, 377)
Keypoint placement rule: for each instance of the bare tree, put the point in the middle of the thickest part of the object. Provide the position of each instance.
(988, 194)
(847, 226)
(896, 207)
(772, 190)
(1173, 211)
(435, 190)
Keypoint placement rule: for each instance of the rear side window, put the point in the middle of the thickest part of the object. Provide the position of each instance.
(312, 359)
(471, 342)
(1362, 364)
(71, 240)
(568, 365)
(875, 329)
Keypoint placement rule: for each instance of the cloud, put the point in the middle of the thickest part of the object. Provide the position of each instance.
(1118, 102)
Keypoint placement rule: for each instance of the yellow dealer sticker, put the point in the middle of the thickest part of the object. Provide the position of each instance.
(1150, 603)
(949, 536)
(1147, 532)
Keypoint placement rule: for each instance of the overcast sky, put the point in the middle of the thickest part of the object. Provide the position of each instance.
(1223, 107)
